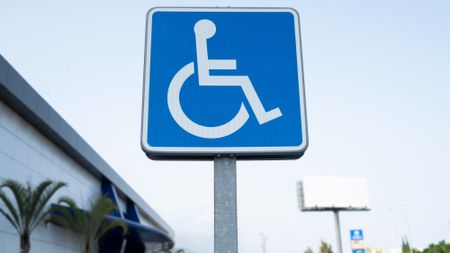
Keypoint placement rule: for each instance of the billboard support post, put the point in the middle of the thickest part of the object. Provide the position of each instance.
(338, 231)
(225, 205)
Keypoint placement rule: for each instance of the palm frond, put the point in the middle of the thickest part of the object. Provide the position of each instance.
(109, 225)
(38, 214)
(27, 194)
(58, 220)
(10, 219)
(14, 218)
(100, 208)
(35, 197)
(67, 201)
(19, 193)
(67, 215)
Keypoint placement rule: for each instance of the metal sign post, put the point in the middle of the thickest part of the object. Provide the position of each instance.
(225, 205)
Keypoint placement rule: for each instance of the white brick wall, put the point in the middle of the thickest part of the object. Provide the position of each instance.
(25, 154)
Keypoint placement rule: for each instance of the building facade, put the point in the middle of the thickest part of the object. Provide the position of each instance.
(36, 144)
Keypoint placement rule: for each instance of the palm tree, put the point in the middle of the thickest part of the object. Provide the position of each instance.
(29, 208)
(89, 225)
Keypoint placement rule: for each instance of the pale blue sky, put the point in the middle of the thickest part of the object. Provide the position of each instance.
(378, 98)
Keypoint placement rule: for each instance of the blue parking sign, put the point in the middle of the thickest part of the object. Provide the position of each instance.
(356, 235)
(223, 81)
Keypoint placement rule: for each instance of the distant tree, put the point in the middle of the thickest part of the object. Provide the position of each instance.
(309, 250)
(90, 225)
(29, 209)
(406, 248)
(441, 247)
(325, 247)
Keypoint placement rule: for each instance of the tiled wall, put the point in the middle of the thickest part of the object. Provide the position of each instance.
(25, 154)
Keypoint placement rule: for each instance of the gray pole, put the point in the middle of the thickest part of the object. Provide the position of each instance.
(338, 231)
(225, 205)
(263, 242)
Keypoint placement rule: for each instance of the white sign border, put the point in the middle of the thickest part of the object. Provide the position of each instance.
(209, 152)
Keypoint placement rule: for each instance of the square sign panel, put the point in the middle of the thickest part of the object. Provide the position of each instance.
(223, 81)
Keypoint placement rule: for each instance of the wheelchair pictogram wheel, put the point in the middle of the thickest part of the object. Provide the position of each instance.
(176, 110)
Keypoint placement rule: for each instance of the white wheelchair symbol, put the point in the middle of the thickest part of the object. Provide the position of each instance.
(205, 29)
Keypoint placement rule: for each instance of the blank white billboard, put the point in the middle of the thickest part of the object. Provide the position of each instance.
(326, 193)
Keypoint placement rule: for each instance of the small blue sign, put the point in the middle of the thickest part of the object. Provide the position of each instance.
(356, 235)
(223, 81)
